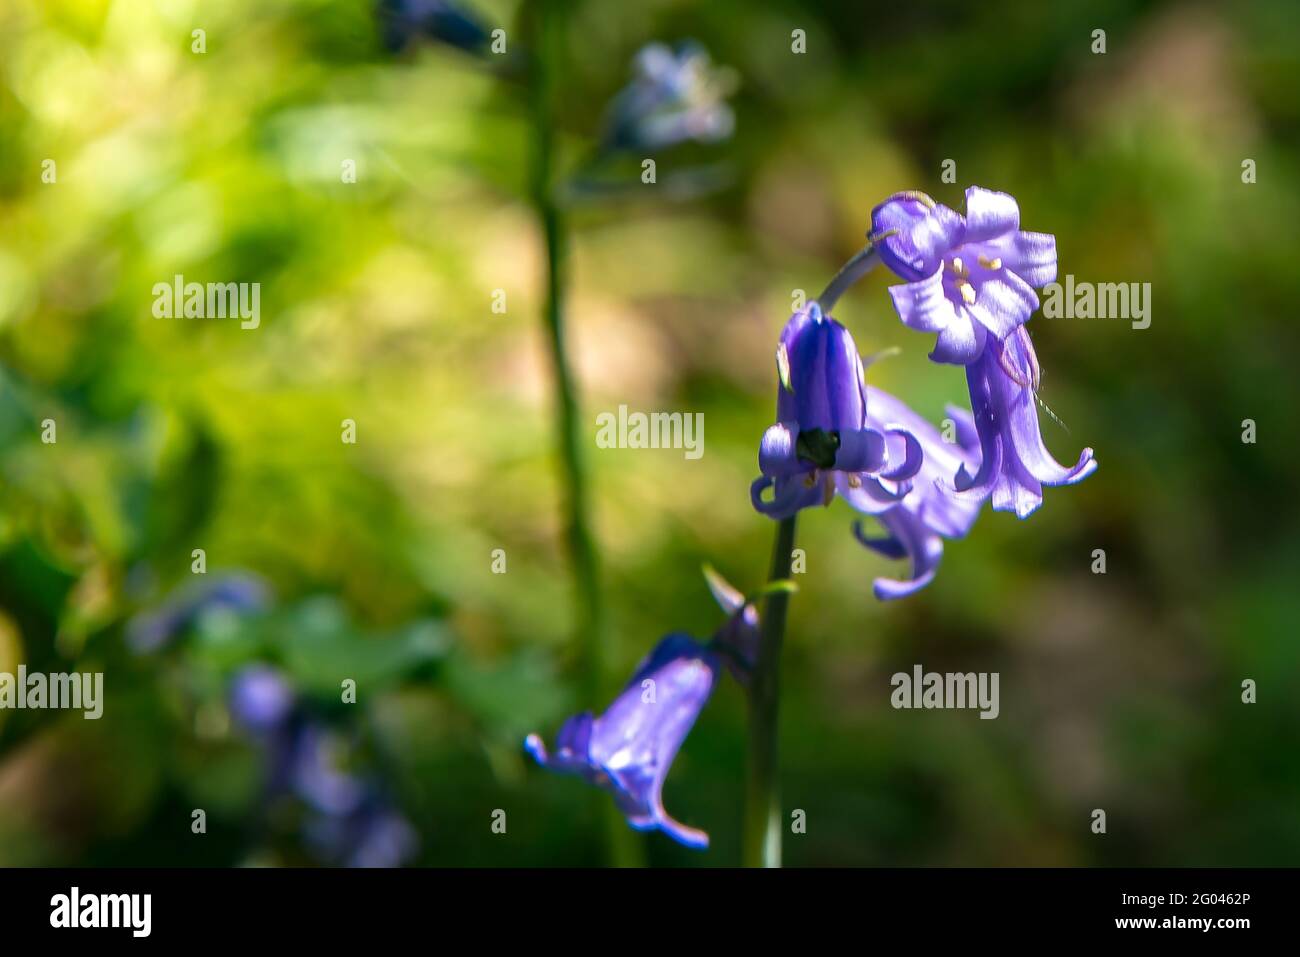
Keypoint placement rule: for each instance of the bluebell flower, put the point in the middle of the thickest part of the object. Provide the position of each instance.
(629, 749)
(971, 280)
(1015, 464)
(238, 592)
(821, 444)
(916, 526)
(675, 95)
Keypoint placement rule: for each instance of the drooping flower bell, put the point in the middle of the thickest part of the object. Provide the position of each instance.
(821, 443)
(971, 280)
(1015, 463)
(916, 527)
(629, 749)
(968, 278)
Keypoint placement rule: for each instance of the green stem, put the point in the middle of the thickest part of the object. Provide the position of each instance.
(762, 835)
(546, 23)
(853, 270)
(761, 838)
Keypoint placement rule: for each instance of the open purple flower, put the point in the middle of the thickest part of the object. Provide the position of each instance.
(916, 527)
(629, 749)
(971, 280)
(821, 444)
(968, 278)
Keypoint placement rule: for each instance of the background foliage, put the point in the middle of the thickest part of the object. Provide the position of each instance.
(1119, 691)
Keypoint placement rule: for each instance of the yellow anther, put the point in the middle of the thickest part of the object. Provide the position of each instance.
(810, 479)
(855, 482)
(990, 263)
(967, 293)
(958, 266)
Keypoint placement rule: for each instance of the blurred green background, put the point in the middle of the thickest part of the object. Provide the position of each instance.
(1119, 691)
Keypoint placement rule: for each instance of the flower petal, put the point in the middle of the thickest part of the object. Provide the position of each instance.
(967, 437)
(980, 486)
(635, 741)
(922, 305)
(791, 495)
(918, 543)
(989, 214)
(861, 450)
(914, 233)
(776, 452)
(1003, 302)
(960, 343)
(869, 495)
(1031, 256)
(1021, 426)
(905, 454)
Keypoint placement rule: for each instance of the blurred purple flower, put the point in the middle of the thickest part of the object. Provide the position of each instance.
(916, 527)
(260, 699)
(351, 823)
(440, 20)
(371, 834)
(629, 749)
(967, 277)
(151, 631)
(315, 771)
(675, 95)
(821, 443)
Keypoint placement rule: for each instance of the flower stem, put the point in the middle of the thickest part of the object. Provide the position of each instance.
(545, 20)
(761, 839)
(862, 263)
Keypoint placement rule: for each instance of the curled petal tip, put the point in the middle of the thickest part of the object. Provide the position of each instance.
(890, 589)
(536, 749)
(913, 456)
(889, 547)
(691, 837)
